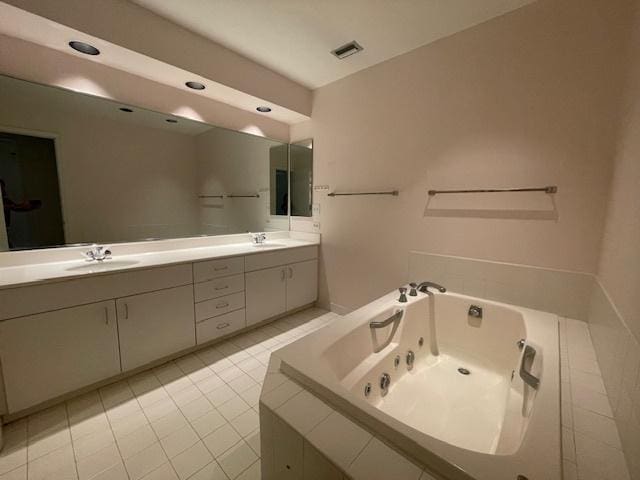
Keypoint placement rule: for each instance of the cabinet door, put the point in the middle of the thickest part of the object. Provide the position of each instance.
(154, 325)
(265, 294)
(49, 354)
(302, 284)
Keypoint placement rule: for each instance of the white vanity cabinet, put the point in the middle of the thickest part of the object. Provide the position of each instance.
(154, 325)
(302, 284)
(266, 294)
(57, 337)
(273, 290)
(52, 353)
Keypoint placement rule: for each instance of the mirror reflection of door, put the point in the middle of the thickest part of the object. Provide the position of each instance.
(279, 180)
(31, 208)
(301, 155)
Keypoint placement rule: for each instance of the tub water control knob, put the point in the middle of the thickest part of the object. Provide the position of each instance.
(403, 294)
(411, 358)
(413, 292)
(385, 381)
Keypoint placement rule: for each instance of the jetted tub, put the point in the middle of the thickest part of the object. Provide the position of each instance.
(462, 409)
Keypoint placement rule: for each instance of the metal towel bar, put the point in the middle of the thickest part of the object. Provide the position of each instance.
(243, 196)
(395, 193)
(210, 196)
(547, 189)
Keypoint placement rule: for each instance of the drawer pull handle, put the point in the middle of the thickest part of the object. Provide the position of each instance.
(217, 269)
(222, 288)
(126, 311)
(222, 305)
(282, 275)
(223, 325)
(106, 315)
(290, 272)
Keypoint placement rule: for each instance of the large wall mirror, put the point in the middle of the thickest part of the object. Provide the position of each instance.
(80, 169)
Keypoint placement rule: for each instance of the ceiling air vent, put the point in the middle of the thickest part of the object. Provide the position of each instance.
(347, 50)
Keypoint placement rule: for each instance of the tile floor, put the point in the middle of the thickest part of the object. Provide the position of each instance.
(195, 417)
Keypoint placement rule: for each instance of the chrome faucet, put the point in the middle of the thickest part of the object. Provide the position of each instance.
(98, 253)
(258, 238)
(424, 287)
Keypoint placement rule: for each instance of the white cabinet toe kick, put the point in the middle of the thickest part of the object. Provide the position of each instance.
(57, 339)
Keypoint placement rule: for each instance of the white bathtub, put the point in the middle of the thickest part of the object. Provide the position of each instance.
(486, 424)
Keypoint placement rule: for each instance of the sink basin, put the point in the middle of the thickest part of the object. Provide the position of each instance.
(103, 266)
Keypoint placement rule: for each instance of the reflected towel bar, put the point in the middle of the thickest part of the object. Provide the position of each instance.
(547, 189)
(243, 196)
(395, 193)
(210, 196)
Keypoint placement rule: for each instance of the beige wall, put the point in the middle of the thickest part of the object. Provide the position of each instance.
(527, 99)
(619, 269)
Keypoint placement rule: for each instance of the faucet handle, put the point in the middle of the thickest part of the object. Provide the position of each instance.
(413, 292)
(403, 294)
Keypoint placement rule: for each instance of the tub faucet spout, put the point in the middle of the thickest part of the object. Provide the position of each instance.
(424, 287)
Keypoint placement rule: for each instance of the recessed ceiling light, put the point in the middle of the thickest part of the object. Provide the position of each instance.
(125, 109)
(263, 109)
(84, 48)
(172, 120)
(195, 85)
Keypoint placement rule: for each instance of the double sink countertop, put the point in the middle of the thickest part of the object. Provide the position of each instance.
(50, 271)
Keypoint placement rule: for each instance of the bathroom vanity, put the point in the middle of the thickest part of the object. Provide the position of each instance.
(67, 324)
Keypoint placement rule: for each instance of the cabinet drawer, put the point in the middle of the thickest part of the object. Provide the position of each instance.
(261, 261)
(219, 326)
(203, 271)
(219, 306)
(218, 287)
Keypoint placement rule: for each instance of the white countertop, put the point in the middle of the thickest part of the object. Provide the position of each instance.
(16, 276)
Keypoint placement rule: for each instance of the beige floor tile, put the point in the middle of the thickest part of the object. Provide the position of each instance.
(137, 441)
(98, 462)
(197, 408)
(232, 408)
(598, 460)
(169, 424)
(117, 472)
(221, 440)
(207, 423)
(163, 472)
(145, 461)
(179, 441)
(57, 465)
(246, 422)
(212, 471)
(90, 444)
(237, 459)
(191, 460)
(19, 473)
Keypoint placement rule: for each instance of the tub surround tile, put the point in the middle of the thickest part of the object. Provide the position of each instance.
(304, 411)
(339, 439)
(379, 462)
(618, 353)
(562, 292)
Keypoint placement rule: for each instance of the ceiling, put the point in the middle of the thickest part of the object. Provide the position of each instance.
(294, 37)
(21, 24)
